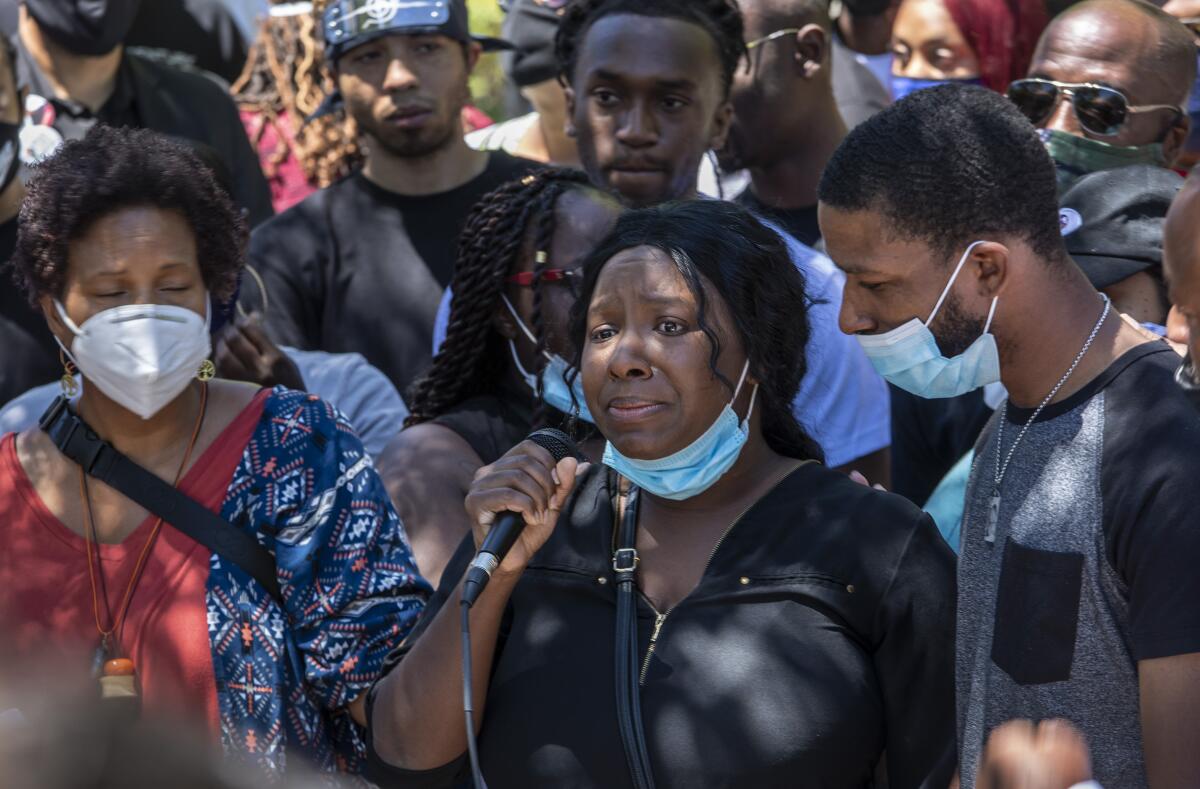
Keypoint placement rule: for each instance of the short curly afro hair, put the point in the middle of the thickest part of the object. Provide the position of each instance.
(949, 165)
(721, 19)
(111, 169)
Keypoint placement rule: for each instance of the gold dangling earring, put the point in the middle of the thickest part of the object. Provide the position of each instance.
(70, 386)
(207, 371)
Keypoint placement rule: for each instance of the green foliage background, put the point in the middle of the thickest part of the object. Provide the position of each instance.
(487, 82)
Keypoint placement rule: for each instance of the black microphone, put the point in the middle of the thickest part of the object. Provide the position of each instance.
(508, 525)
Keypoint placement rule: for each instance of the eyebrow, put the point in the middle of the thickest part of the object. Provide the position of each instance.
(679, 83)
(858, 270)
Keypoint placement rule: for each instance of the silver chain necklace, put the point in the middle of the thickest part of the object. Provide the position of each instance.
(1002, 469)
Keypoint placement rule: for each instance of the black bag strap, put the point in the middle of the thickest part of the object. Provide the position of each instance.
(98, 458)
(629, 699)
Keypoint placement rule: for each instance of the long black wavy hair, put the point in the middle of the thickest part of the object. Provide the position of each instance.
(473, 357)
(722, 250)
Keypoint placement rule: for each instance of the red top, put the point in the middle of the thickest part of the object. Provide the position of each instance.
(46, 598)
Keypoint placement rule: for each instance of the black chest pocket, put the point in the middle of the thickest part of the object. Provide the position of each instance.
(1037, 614)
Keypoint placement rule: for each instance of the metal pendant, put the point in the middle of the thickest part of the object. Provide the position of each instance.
(993, 518)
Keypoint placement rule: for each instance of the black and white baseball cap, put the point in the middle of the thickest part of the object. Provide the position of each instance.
(350, 23)
(1112, 221)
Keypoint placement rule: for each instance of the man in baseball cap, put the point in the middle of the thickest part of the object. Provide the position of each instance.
(359, 267)
(1112, 223)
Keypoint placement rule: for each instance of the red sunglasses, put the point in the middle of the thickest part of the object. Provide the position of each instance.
(572, 276)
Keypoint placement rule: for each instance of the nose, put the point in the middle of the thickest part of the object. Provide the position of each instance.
(399, 77)
(628, 360)
(637, 129)
(1062, 117)
(851, 319)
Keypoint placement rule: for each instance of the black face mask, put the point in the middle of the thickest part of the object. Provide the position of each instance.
(84, 27)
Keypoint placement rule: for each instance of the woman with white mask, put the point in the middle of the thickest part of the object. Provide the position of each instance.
(710, 606)
(126, 241)
(501, 371)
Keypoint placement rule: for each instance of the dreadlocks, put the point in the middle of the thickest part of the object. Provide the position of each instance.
(285, 81)
(473, 356)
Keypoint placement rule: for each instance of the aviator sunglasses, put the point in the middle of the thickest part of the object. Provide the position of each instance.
(1101, 110)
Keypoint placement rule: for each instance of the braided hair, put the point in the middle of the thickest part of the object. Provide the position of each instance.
(473, 356)
(721, 19)
(284, 81)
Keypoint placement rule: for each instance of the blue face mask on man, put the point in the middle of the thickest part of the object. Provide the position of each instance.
(555, 392)
(908, 356)
(902, 86)
(695, 468)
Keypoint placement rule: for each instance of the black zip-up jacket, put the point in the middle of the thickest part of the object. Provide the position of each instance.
(819, 641)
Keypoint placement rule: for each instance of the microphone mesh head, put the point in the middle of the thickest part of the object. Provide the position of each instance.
(556, 442)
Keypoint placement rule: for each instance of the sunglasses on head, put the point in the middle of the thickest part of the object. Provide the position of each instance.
(571, 276)
(1101, 110)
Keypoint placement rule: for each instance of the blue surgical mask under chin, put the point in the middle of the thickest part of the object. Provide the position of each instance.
(902, 86)
(908, 356)
(695, 468)
(554, 384)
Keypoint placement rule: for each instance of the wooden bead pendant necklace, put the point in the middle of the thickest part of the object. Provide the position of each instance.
(116, 674)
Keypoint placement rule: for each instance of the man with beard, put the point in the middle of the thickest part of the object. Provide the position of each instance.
(360, 266)
(648, 94)
(1077, 567)
(786, 122)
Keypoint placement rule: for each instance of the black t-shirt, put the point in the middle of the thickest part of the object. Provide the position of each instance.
(801, 223)
(30, 353)
(818, 641)
(356, 268)
(930, 436)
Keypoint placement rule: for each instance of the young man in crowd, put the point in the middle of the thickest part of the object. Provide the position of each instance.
(360, 266)
(786, 122)
(72, 58)
(1077, 580)
(1144, 61)
(648, 94)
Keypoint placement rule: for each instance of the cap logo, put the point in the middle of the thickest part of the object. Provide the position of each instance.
(1069, 221)
(346, 19)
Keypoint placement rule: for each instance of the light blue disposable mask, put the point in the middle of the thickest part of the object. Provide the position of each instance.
(693, 469)
(908, 356)
(555, 392)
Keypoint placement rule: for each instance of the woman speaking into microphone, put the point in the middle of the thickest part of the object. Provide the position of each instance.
(786, 626)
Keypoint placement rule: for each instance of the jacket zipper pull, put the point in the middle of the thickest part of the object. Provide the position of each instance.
(658, 623)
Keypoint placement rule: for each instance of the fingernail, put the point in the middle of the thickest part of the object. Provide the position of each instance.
(554, 476)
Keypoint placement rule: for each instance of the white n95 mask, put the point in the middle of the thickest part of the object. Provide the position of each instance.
(141, 356)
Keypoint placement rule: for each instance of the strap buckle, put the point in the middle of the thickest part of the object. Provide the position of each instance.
(625, 560)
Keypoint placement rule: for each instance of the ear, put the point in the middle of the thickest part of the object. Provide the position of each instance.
(472, 51)
(721, 123)
(812, 50)
(54, 322)
(569, 127)
(991, 262)
(1175, 139)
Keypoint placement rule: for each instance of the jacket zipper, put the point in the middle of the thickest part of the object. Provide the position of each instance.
(660, 619)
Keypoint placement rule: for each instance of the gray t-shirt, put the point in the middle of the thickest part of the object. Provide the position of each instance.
(1094, 565)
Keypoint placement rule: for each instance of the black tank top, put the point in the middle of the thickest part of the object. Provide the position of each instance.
(491, 425)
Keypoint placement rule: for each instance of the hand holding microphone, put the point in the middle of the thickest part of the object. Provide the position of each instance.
(514, 504)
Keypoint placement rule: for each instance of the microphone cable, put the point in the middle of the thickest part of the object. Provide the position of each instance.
(468, 701)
